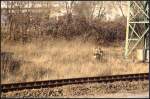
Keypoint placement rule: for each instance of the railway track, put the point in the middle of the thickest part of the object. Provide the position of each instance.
(60, 82)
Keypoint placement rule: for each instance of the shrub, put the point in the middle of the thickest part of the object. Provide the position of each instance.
(71, 27)
(8, 64)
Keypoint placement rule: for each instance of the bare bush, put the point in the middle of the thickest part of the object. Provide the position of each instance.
(27, 24)
(8, 64)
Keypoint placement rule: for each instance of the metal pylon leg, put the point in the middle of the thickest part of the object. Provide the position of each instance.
(137, 25)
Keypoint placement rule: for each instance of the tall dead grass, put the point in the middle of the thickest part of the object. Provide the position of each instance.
(67, 59)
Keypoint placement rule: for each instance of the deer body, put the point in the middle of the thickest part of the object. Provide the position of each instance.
(98, 53)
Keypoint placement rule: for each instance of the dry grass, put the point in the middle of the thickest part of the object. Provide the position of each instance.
(63, 59)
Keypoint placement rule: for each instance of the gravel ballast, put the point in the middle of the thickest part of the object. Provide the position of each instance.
(90, 89)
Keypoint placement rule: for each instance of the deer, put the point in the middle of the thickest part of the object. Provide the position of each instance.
(98, 53)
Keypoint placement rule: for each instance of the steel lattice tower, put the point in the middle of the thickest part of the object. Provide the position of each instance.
(137, 26)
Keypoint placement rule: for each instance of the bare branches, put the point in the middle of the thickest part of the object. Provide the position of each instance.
(120, 6)
(67, 19)
(101, 10)
(69, 6)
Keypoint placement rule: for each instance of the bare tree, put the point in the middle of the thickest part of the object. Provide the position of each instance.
(101, 10)
(24, 15)
(83, 9)
(120, 6)
(69, 6)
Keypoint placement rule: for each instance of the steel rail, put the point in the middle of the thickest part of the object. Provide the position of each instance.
(60, 82)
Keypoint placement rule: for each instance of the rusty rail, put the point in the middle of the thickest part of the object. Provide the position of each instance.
(61, 82)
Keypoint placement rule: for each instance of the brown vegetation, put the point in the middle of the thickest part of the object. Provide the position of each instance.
(28, 24)
(63, 59)
(47, 47)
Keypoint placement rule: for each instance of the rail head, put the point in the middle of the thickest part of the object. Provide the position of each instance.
(60, 82)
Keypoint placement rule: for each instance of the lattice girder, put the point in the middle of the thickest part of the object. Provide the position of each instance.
(137, 25)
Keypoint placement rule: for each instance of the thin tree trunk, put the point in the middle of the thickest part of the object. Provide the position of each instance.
(121, 9)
